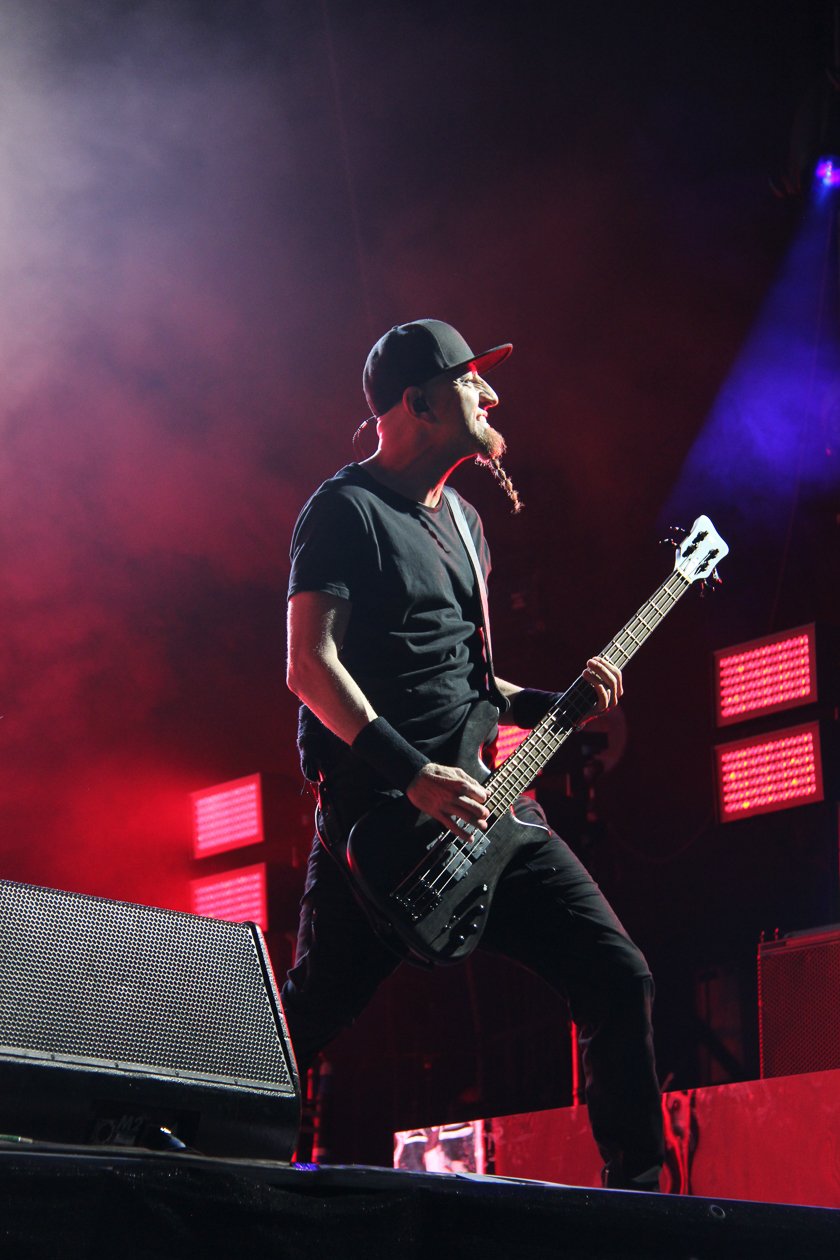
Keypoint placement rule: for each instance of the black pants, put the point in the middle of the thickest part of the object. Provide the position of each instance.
(548, 914)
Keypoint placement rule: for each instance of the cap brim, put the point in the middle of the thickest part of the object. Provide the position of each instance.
(491, 358)
(481, 362)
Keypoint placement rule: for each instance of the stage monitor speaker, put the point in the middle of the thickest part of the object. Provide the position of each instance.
(798, 1011)
(120, 1021)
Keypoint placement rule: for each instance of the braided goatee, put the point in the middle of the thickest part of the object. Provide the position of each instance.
(494, 463)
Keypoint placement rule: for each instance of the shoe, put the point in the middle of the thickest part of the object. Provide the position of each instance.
(647, 1181)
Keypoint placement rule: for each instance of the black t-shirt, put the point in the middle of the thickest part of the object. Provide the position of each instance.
(413, 641)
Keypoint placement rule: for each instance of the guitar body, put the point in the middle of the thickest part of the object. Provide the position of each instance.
(433, 888)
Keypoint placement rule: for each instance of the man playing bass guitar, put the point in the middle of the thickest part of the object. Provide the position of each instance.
(387, 653)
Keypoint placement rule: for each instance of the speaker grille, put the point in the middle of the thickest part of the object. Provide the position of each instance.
(181, 995)
(799, 1014)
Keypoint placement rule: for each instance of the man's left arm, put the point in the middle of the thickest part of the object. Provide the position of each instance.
(526, 705)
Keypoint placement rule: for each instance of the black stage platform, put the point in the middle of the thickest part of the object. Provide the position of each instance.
(84, 1202)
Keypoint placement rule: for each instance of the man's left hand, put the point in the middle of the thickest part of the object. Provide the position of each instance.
(607, 681)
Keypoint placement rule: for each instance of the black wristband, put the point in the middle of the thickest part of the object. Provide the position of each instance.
(385, 750)
(529, 706)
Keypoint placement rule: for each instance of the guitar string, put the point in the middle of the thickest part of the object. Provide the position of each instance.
(544, 741)
(549, 736)
(576, 703)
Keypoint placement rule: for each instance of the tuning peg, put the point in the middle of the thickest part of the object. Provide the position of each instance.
(674, 537)
(708, 585)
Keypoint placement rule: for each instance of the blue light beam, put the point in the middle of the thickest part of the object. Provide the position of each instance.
(771, 440)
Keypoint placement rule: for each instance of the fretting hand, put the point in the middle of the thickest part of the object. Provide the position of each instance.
(607, 681)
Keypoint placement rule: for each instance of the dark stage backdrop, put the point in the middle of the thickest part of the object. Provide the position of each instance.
(208, 211)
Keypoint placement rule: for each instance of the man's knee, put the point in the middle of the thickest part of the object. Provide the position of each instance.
(622, 1001)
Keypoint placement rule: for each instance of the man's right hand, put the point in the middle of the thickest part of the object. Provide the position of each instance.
(449, 794)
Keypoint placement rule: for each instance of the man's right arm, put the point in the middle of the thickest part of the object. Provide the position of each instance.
(317, 624)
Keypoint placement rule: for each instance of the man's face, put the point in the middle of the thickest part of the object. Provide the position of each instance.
(462, 404)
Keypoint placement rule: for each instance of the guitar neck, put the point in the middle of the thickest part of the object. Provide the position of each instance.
(569, 710)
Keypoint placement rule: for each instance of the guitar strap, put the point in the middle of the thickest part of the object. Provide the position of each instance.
(457, 514)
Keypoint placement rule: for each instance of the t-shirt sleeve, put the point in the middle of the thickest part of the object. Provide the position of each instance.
(329, 540)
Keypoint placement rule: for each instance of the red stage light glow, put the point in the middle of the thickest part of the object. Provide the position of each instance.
(238, 896)
(769, 772)
(227, 816)
(506, 743)
(765, 675)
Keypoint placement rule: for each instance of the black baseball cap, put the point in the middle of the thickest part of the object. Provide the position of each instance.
(411, 354)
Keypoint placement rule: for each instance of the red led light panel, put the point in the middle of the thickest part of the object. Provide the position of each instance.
(769, 772)
(766, 675)
(237, 896)
(507, 741)
(227, 816)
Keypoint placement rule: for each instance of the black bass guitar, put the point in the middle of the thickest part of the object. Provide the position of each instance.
(432, 887)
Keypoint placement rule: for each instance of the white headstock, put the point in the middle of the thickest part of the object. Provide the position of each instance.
(700, 552)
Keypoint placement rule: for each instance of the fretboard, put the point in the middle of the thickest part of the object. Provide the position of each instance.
(569, 710)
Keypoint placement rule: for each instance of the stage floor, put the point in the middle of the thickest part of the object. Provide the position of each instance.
(85, 1202)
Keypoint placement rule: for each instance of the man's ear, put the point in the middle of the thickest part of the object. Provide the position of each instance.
(415, 401)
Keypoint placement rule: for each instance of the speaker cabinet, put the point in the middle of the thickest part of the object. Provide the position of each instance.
(118, 1020)
(798, 1010)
